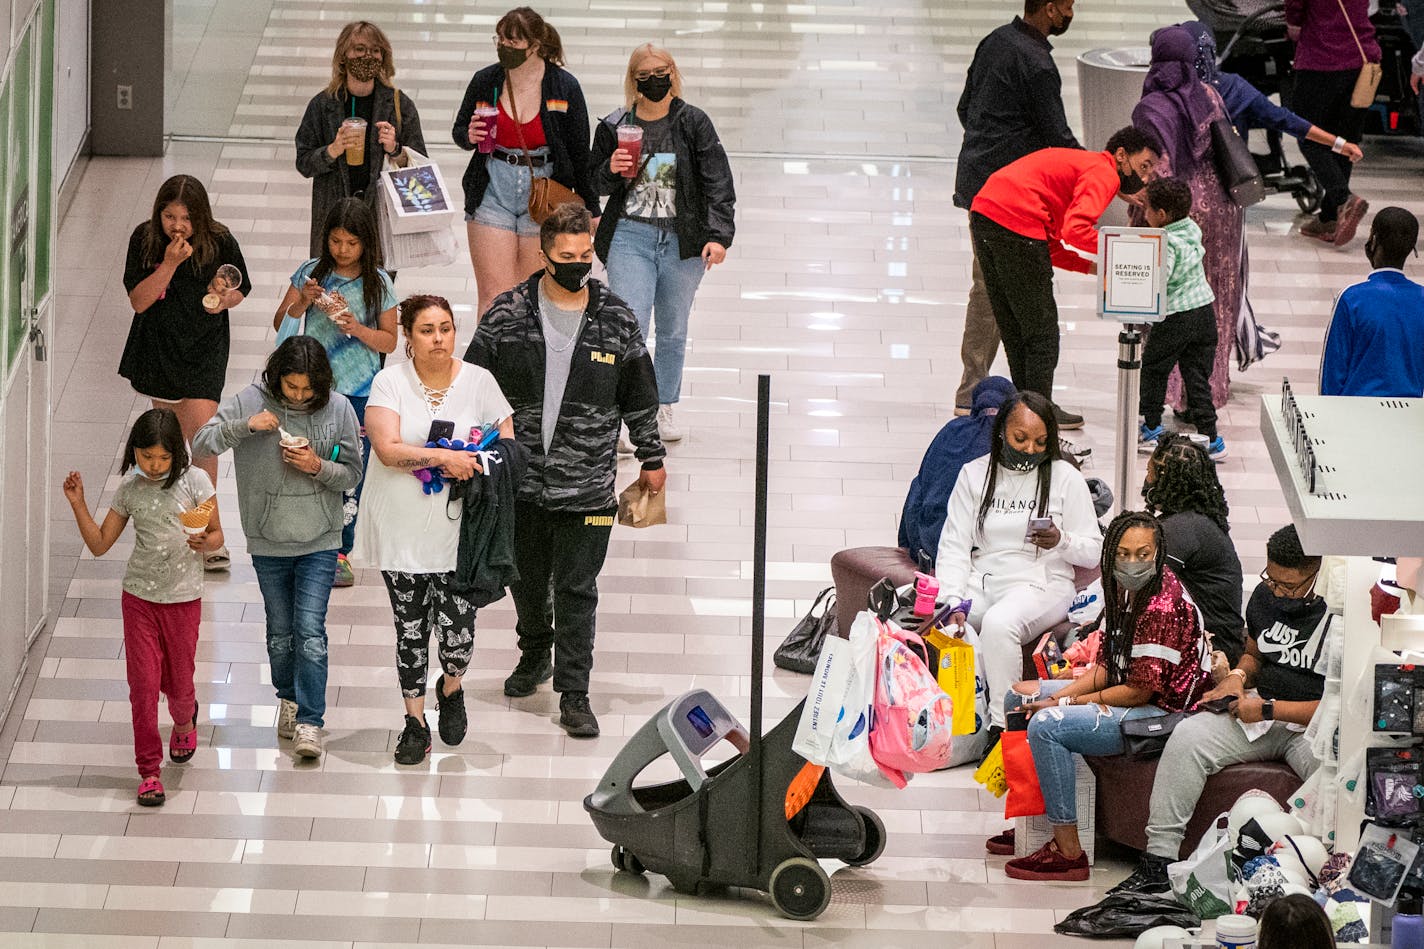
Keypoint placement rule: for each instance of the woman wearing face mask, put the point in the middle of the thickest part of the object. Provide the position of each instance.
(362, 69)
(289, 493)
(1020, 519)
(1153, 660)
(670, 214)
(1177, 109)
(541, 131)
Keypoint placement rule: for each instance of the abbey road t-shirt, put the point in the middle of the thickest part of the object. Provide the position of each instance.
(652, 198)
(1290, 636)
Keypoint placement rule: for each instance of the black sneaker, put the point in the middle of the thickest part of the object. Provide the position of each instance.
(1067, 420)
(453, 721)
(532, 669)
(1149, 877)
(414, 742)
(576, 717)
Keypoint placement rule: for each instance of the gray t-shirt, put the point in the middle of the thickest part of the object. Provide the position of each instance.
(162, 567)
(561, 331)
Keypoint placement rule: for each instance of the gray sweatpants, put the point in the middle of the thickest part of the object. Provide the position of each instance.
(1199, 747)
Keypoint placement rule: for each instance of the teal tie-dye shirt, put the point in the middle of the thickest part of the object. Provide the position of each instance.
(353, 363)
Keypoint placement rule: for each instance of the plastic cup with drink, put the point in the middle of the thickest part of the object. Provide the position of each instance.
(630, 139)
(356, 154)
(488, 118)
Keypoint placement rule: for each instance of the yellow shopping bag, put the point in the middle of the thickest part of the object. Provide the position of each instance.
(991, 772)
(952, 659)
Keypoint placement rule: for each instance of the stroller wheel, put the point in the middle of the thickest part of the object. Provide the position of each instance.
(800, 889)
(874, 838)
(617, 857)
(632, 864)
(1307, 196)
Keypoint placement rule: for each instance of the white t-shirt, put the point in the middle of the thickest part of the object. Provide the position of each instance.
(401, 528)
(1002, 555)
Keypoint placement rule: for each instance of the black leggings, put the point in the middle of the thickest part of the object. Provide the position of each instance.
(425, 603)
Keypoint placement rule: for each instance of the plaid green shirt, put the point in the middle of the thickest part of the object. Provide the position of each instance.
(1187, 288)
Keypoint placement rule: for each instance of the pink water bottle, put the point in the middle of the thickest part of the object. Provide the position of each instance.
(926, 589)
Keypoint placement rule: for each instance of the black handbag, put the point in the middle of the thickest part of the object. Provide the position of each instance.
(1146, 737)
(1235, 165)
(802, 646)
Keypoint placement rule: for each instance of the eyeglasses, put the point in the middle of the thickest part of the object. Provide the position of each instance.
(505, 41)
(662, 72)
(1292, 590)
(362, 50)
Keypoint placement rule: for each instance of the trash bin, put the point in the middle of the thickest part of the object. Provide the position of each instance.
(1109, 87)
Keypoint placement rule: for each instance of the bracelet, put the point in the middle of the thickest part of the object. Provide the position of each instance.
(1339, 145)
(1238, 672)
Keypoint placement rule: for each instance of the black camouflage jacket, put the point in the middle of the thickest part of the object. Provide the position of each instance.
(610, 382)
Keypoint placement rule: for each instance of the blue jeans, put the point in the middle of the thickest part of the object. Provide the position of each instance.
(1054, 734)
(294, 592)
(645, 269)
(351, 500)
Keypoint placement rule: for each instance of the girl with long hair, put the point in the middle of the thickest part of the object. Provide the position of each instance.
(356, 325)
(1153, 660)
(176, 353)
(1020, 520)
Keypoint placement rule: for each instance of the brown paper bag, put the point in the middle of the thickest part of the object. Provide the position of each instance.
(637, 508)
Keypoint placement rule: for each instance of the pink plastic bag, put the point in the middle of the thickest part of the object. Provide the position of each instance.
(913, 717)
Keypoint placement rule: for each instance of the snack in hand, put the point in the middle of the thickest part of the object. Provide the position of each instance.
(195, 521)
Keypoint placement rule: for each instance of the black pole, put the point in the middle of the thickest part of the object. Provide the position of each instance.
(759, 588)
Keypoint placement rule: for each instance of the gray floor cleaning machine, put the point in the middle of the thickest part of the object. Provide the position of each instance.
(759, 820)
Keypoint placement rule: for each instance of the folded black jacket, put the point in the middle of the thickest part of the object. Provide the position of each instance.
(484, 562)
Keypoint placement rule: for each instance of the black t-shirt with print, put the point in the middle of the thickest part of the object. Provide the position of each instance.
(360, 175)
(1290, 636)
(652, 196)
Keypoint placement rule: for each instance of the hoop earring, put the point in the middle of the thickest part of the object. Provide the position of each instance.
(408, 351)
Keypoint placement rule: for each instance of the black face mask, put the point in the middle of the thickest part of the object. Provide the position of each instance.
(511, 58)
(1130, 183)
(655, 88)
(1061, 28)
(571, 275)
(1015, 460)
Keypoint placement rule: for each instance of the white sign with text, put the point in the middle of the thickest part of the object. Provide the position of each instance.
(1132, 274)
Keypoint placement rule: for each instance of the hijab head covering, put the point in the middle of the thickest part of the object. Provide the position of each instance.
(958, 443)
(1176, 106)
(1206, 50)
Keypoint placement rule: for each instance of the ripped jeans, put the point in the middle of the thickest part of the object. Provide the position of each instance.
(295, 591)
(1055, 734)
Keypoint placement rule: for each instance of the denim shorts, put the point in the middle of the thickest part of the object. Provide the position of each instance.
(506, 201)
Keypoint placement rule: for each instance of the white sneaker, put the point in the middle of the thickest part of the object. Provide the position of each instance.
(668, 430)
(286, 719)
(308, 742)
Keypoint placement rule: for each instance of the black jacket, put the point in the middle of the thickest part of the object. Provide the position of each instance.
(610, 382)
(1012, 105)
(564, 117)
(706, 198)
(329, 175)
(484, 562)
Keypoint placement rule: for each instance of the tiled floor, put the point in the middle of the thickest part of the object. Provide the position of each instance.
(847, 283)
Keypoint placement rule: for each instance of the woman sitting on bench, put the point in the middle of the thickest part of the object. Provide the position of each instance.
(1153, 660)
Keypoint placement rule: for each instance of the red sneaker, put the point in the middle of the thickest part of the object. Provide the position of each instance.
(1351, 214)
(1001, 845)
(1048, 863)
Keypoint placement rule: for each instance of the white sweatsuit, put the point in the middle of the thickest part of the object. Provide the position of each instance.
(1018, 589)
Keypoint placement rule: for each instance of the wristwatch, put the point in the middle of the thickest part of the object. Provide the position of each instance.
(1268, 710)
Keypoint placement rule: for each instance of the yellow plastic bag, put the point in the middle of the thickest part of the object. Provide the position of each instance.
(953, 661)
(991, 773)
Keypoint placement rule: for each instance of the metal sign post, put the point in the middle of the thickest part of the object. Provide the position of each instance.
(1131, 291)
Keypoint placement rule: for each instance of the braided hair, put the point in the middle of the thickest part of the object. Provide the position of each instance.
(1042, 408)
(1186, 481)
(1121, 613)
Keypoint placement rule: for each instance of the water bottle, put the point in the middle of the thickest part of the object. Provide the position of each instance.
(926, 589)
(1407, 929)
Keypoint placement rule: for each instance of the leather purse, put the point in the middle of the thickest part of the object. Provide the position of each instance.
(1235, 165)
(1146, 737)
(545, 194)
(1367, 82)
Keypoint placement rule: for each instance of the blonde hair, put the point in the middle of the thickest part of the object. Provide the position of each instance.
(630, 85)
(349, 34)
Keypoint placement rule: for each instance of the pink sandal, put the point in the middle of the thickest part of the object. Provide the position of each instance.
(181, 748)
(150, 792)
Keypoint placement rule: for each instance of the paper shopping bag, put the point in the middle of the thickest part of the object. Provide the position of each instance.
(640, 508)
(1025, 798)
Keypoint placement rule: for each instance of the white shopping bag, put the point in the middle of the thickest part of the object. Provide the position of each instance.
(834, 729)
(1202, 882)
(415, 234)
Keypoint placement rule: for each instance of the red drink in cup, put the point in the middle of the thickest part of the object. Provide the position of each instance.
(488, 117)
(630, 139)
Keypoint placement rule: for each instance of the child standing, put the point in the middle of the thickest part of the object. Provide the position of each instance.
(357, 334)
(1186, 339)
(162, 587)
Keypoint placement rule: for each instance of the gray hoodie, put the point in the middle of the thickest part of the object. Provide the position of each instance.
(286, 512)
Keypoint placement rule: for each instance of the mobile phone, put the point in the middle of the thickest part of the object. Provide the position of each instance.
(1039, 524)
(440, 428)
(1218, 705)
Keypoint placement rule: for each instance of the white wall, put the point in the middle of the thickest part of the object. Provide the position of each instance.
(71, 89)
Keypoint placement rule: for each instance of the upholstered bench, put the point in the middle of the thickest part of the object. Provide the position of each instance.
(1125, 790)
